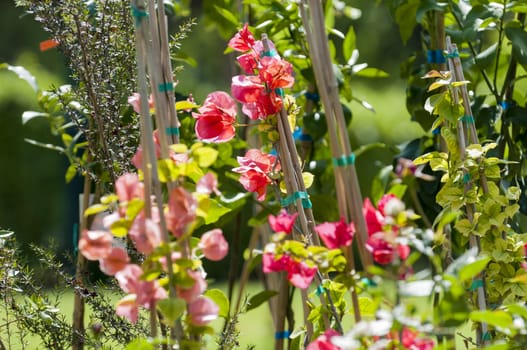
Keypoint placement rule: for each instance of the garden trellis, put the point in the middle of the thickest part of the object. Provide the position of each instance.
(420, 278)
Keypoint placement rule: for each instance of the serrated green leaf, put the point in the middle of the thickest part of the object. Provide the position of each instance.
(260, 298)
(221, 300)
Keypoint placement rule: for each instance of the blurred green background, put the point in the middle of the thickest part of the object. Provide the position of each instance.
(36, 203)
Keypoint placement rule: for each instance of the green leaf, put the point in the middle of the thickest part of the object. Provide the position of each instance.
(210, 210)
(22, 74)
(405, 16)
(183, 105)
(349, 44)
(171, 309)
(206, 156)
(471, 270)
(370, 72)
(221, 300)
(95, 209)
(496, 318)
(120, 227)
(367, 306)
(260, 298)
(140, 344)
(228, 15)
(70, 173)
(28, 115)
(398, 190)
(487, 56)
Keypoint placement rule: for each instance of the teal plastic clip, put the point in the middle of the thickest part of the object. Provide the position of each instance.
(344, 160)
(306, 203)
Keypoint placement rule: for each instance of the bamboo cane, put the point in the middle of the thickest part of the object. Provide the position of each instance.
(466, 134)
(348, 192)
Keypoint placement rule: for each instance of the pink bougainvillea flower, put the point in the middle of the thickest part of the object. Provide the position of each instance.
(208, 184)
(300, 274)
(128, 307)
(129, 278)
(374, 218)
(181, 211)
(191, 293)
(213, 245)
(381, 249)
(412, 342)
(336, 234)
(135, 101)
(115, 261)
(283, 222)
(146, 234)
(276, 73)
(96, 244)
(129, 187)
(202, 311)
(255, 181)
(323, 342)
(248, 62)
(216, 118)
(147, 293)
(258, 102)
(243, 40)
(255, 166)
(256, 159)
(271, 264)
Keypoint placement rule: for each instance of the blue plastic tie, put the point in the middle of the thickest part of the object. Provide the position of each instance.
(270, 53)
(344, 160)
(486, 336)
(138, 14)
(172, 131)
(453, 54)
(305, 138)
(436, 131)
(165, 87)
(436, 56)
(319, 290)
(476, 284)
(505, 105)
(313, 96)
(306, 203)
(467, 119)
(282, 335)
(466, 178)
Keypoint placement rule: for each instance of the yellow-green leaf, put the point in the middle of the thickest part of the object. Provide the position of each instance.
(308, 179)
(183, 105)
(95, 209)
(206, 156)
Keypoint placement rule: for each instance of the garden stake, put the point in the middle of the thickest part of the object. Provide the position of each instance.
(348, 191)
(457, 75)
(150, 170)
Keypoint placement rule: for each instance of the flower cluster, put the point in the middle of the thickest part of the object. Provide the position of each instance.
(383, 228)
(259, 91)
(299, 273)
(145, 233)
(216, 118)
(255, 168)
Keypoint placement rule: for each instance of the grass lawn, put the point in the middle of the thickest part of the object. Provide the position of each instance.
(256, 326)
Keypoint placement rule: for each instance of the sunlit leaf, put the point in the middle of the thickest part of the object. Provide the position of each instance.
(221, 300)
